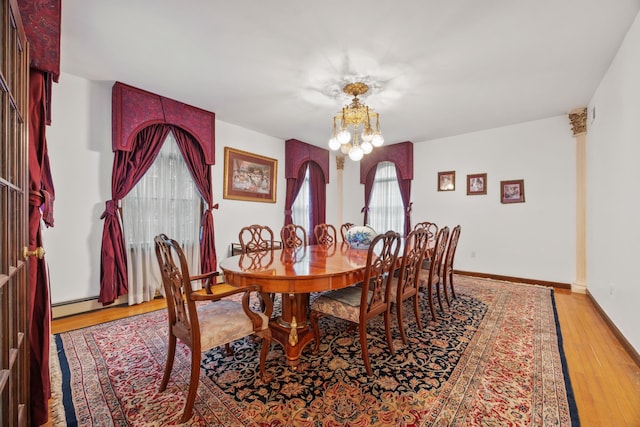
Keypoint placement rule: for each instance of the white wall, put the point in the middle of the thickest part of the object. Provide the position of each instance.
(613, 150)
(79, 143)
(531, 240)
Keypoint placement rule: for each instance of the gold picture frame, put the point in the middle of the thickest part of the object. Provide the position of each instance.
(447, 181)
(249, 177)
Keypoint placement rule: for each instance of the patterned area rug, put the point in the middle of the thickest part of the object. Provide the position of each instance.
(493, 359)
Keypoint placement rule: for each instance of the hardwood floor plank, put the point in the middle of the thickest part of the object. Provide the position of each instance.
(605, 379)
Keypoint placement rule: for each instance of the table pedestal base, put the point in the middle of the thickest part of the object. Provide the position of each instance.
(292, 329)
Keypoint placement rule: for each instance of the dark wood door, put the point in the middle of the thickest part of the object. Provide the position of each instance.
(14, 195)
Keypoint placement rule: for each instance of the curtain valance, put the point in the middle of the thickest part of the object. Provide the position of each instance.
(134, 109)
(41, 20)
(298, 152)
(400, 154)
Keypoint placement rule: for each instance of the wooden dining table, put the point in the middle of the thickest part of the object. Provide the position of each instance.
(295, 274)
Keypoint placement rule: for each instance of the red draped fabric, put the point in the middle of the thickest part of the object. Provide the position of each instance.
(293, 188)
(41, 195)
(128, 168)
(41, 21)
(201, 174)
(318, 198)
(402, 156)
(298, 156)
(405, 193)
(368, 187)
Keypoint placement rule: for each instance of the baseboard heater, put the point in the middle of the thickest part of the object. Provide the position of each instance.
(85, 305)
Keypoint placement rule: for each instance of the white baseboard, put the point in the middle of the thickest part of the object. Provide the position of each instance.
(83, 306)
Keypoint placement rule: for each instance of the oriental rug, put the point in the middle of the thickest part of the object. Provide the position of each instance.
(494, 358)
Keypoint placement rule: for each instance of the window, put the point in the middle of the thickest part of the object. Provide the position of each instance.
(301, 209)
(386, 210)
(167, 201)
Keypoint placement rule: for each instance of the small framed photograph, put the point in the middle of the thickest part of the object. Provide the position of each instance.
(512, 191)
(476, 184)
(249, 177)
(447, 181)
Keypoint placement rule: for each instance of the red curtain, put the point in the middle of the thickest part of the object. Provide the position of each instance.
(368, 187)
(298, 156)
(401, 155)
(318, 198)
(128, 168)
(405, 193)
(201, 174)
(293, 188)
(41, 195)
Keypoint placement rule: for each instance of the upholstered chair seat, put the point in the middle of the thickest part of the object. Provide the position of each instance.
(225, 321)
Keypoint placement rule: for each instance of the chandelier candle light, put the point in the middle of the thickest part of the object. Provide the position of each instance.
(356, 114)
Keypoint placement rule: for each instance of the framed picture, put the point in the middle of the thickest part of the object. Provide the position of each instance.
(512, 191)
(476, 184)
(447, 181)
(249, 176)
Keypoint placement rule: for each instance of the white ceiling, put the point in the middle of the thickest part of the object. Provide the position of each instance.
(437, 68)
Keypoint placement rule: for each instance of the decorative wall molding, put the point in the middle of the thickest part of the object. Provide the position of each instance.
(578, 119)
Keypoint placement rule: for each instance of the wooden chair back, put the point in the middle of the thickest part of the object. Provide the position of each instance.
(432, 280)
(255, 238)
(382, 259)
(407, 283)
(325, 234)
(293, 236)
(343, 230)
(432, 233)
(447, 269)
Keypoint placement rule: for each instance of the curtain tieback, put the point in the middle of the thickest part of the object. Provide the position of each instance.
(35, 198)
(409, 208)
(288, 212)
(111, 209)
(47, 210)
(365, 209)
(216, 206)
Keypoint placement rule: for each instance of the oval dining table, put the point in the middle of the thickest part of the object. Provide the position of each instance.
(295, 274)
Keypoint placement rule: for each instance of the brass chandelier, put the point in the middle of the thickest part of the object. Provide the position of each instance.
(352, 130)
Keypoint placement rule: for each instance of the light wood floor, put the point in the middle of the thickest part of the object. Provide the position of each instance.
(605, 379)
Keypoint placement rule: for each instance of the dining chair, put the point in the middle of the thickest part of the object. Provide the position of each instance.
(430, 276)
(325, 234)
(446, 275)
(204, 326)
(432, 230)
(255, 238)
(293, 236)
(359, 304)
(343, 230)
(406, 284)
